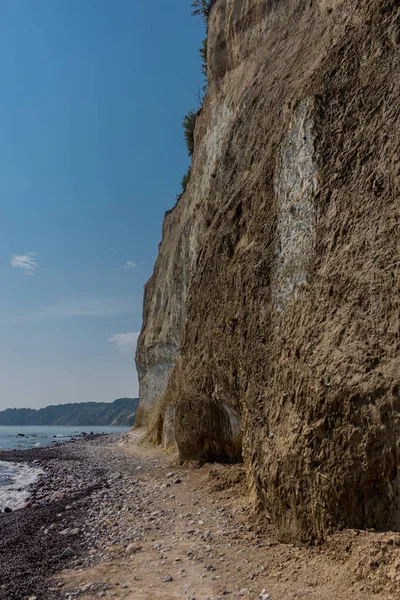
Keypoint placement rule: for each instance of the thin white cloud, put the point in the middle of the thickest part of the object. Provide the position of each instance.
(27, 262)
(90, 307)
(126, 342)
(128, 266)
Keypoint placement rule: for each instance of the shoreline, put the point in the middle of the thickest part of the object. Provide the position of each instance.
(16, 484)
(40, 539)
(117, 518)
(16, 493)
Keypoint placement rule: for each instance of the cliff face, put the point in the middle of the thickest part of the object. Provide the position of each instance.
(271, 322)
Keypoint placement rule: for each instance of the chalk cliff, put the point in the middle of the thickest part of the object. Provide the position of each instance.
(271, 322)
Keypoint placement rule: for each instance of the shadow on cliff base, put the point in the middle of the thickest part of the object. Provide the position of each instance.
(207, 431)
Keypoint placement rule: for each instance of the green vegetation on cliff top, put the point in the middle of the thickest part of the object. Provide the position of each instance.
(121, 412)
(200, 8)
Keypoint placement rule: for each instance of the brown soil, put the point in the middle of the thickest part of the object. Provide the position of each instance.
(195, 529)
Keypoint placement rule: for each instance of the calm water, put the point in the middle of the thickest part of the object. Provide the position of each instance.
(34, 437)
(16, 478)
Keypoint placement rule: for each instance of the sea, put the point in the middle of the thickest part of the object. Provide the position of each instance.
(15, 479)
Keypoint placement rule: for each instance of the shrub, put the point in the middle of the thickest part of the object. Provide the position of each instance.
(202, 8)
(185, 179)
(203, 56)
(188, 124)
(184, 182)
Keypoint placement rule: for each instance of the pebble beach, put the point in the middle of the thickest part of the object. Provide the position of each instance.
(114, 517)
(60, 517)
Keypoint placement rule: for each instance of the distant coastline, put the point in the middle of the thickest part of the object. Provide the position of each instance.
(120, 413)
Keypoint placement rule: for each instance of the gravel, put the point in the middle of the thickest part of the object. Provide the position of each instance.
(74, 504)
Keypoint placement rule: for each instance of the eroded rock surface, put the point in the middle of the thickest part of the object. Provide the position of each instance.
(271, 322)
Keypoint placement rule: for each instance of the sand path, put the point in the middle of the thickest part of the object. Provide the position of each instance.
(191, 536)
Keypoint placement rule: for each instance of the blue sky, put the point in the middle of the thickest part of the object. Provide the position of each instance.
(91, 156)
